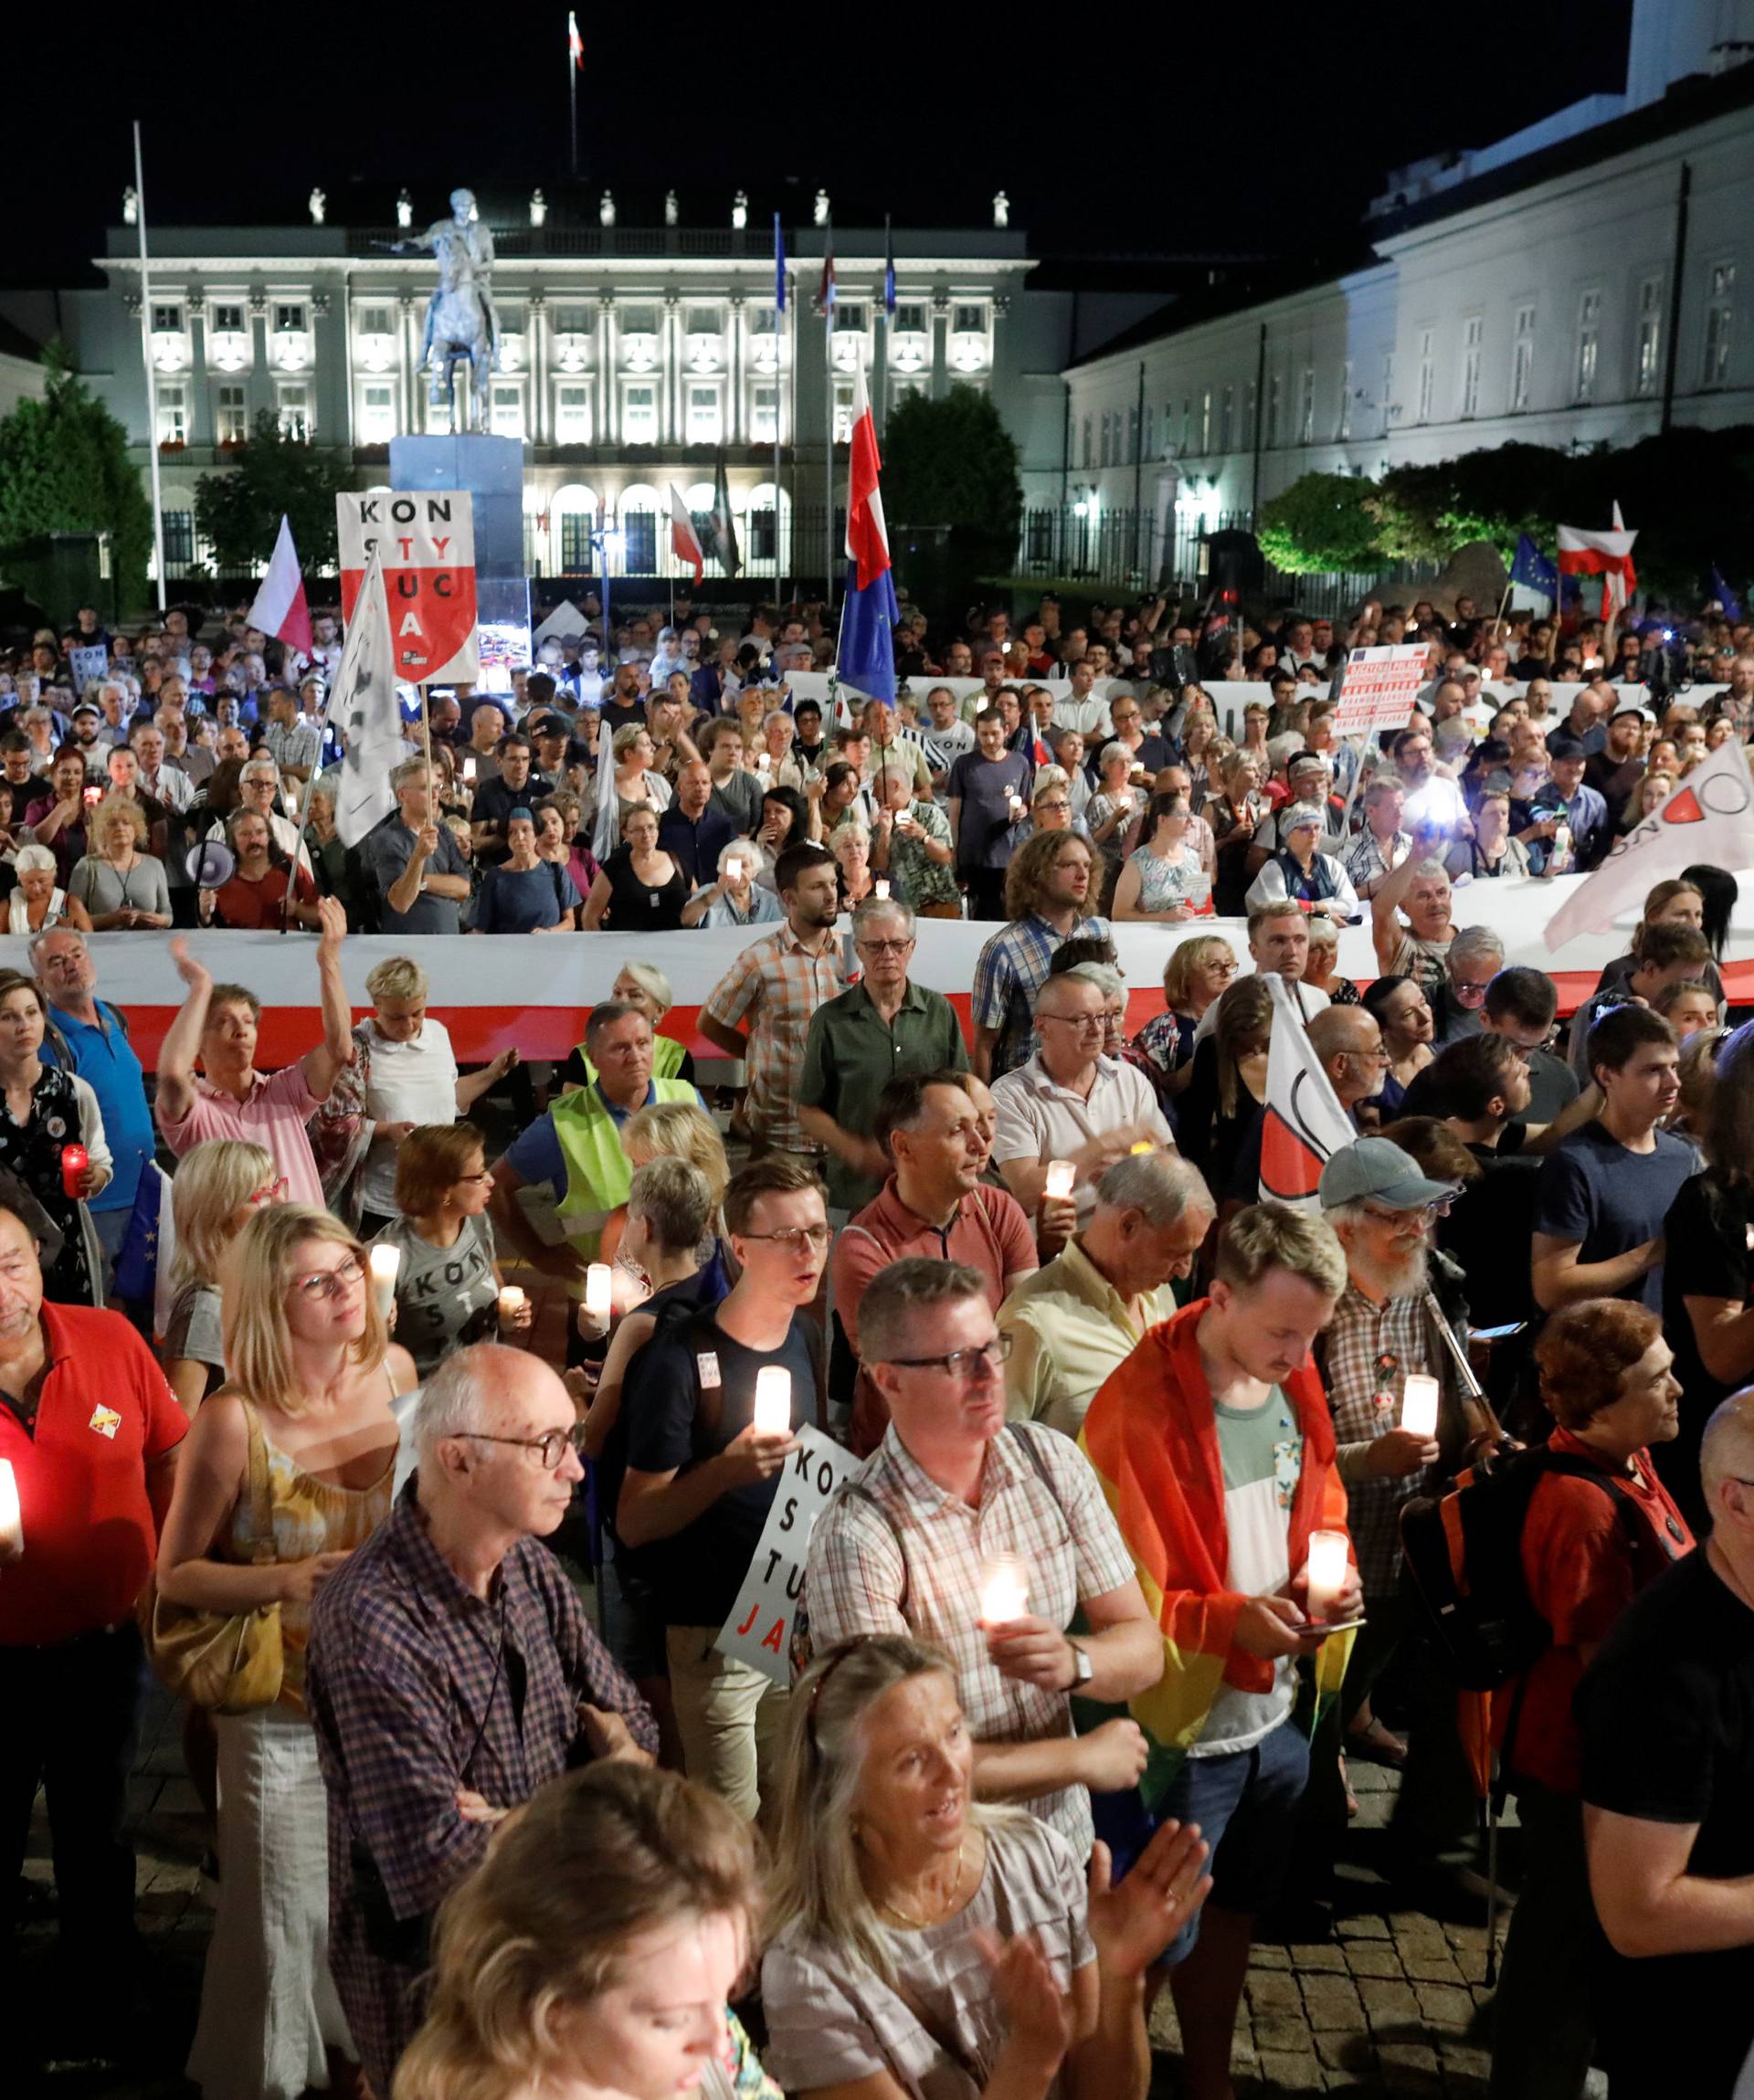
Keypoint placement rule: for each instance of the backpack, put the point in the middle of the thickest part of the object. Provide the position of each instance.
(1464, 1554)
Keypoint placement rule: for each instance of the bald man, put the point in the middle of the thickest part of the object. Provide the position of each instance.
(1347, 1044)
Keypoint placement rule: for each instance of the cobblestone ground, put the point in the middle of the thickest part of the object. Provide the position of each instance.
(1389, 2004)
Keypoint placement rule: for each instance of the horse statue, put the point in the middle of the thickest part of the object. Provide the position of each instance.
(462, 322)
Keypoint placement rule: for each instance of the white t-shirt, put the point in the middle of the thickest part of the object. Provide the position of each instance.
(411, 1083)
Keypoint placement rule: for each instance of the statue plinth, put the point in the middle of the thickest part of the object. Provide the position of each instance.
(491, 469)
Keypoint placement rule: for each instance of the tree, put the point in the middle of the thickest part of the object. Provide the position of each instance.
(1321, 523)
(64, 468)
(952, 462)
(238, 511)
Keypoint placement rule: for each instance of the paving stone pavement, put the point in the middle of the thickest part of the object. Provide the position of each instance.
(1390, 2002)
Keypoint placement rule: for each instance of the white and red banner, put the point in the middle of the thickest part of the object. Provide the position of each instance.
(1302, 1124)
(280, 608)
(684, 541)
(1707, 819)
(428, 541)
(365, 709)
(1379, 688)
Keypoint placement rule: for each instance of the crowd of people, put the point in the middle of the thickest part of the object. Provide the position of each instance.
(1118, 1589)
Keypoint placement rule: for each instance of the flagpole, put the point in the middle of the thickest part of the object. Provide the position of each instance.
(572, 85)
(152, 379)
(779, 389)
(301, 813)
(832, 289)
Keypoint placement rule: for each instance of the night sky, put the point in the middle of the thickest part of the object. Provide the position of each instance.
(1215, 130)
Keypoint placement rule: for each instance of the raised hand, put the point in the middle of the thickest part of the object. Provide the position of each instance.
(1133, 1924)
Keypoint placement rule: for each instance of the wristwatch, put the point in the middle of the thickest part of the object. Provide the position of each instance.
(1081, 1667)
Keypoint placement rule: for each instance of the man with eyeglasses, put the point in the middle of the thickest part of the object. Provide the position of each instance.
(701, 1477)
(451, 1671)
(1071, 1101)
(907, 1545)
(934, 1202)
(95, 1035)
(882, 1028)
(1384, 1331)
(1521, 1004)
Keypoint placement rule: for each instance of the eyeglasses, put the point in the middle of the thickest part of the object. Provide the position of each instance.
(796, 1237)
(547, 1447)
(331, 1282)
(272, 1192)
(959, 1363)
(1421, 1214)
(884, 947)
(1085, 1024)
(1467, 993)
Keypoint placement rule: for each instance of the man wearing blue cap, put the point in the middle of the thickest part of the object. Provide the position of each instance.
(1386, 1331)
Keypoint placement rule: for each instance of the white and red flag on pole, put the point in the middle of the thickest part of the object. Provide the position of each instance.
(575, 42)
(280, 609)
(1605, 554)
(1302, 1124)
(684, 541)
(1707, 819)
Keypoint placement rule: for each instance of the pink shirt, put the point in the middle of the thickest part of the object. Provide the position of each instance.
(274, 1117)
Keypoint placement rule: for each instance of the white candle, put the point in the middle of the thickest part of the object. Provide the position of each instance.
(469, 769)
(597, 1290)
(1004, 1588)
(763, 761)
(1062, 1173)
(1419, 1404)
(1327, 1570)
(773, 1401)
(12, 1531)
(881, 885)
(510, 1303)
(733, 872)
(386, 1262)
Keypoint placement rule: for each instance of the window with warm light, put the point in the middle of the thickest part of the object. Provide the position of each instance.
(573, 414)
(377, 413)
(294, 412)
(763, 412)
(842, 413)
(639, 415)
(506, 411)
(231, 415)
(705, 420)
(172, 416)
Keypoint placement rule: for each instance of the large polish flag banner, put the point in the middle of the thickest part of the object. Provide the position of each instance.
(1304, 1125)
(280, 608)
(427, 540)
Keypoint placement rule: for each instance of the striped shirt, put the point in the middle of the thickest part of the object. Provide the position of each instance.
(894, 1553)
(1009, 972)
(418, 1687)
(1368, 1351)
(775, 985)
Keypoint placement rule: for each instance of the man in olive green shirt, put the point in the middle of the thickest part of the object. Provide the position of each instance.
(1081, 1316)
(884, 1028)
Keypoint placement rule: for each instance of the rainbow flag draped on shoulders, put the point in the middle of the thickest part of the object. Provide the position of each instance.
(1152, 1438)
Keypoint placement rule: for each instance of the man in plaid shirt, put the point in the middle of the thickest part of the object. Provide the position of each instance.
(908, 1545)
(760, 1010)
(1046, 889)
(1383, 1209)
(451, 1672)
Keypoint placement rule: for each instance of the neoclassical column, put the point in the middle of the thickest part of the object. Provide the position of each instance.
(669, 349)
(536, 330)
(608, 422)
(940, 341)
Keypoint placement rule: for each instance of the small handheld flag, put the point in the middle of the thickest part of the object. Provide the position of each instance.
(684, 541)
(866, 658)
(575, 42)
(280, 609)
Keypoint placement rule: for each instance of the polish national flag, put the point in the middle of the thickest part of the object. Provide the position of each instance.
(280, 609)
(1302, 1124)
(1605, 554)
(684, 541)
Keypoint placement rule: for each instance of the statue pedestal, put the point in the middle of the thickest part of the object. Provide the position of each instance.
(491, 469)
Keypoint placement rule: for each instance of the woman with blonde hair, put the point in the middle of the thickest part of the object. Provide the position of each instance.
(448, 1279)
(677, 1130)
(123, 887)
(928, 1943)
(633, 783)
(219, 1188)
(284, 1470)
(1196, 973)
(595, 1949)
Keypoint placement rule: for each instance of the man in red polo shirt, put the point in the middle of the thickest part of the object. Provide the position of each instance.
(933, 1202)
(90, 1431)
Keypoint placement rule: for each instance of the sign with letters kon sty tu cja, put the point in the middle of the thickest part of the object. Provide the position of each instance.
(427, 539)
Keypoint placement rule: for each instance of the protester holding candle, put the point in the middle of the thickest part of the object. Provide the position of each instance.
(48, 1111)
(1403, 1423)
(447, 1287)
(899, 1552)
(1213, 1442)
(700, 1475)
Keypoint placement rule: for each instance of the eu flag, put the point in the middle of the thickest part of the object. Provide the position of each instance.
(1532, 569)
(1721, 591)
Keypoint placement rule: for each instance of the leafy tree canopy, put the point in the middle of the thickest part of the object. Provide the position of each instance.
(951, 462)
(238, 511)
(1321, 523)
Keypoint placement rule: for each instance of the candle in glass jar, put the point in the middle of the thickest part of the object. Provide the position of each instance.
(1004, 1588)
(1062, 1173)
(733, 872)
(881, 886)
(386, 1262)
(1419, 1404)
(597, 1290)
(12, 1531)
(469, 768)
(1327, 1570)
(75, 1159)
(773, 1401)
(510, 1303)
